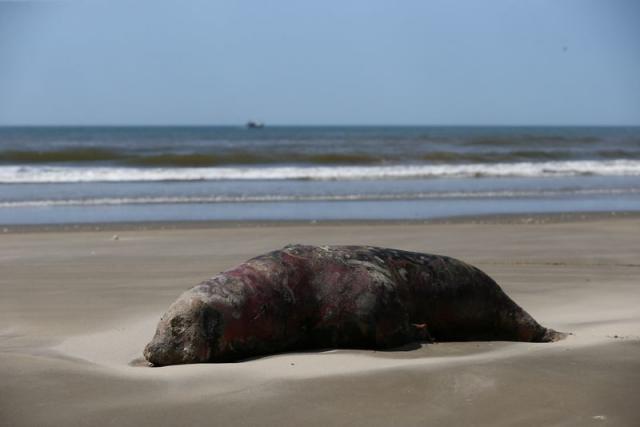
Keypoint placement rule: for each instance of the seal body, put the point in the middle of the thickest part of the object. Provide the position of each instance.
(303, 297)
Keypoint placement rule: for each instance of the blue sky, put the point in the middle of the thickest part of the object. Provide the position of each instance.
(374, 62)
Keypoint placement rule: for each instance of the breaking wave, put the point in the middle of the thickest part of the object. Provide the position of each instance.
(146, 200)
(70, 174)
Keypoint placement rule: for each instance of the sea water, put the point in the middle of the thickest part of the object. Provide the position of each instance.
(111, 174)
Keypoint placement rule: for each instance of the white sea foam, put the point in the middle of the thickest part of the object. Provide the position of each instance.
(143, 200)
(62, 174)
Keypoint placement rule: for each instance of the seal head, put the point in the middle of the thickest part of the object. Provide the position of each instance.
(187, 333)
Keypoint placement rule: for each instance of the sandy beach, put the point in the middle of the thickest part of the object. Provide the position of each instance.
(77, 308)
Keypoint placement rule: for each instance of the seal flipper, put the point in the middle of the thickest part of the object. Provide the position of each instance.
(551, 335)
(421, 332)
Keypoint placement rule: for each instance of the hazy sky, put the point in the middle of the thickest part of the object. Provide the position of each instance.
(321, 62)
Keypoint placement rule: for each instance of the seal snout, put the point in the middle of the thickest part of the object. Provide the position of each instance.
(161, 351)
(154, 354)
(165, 352)
(186, 334)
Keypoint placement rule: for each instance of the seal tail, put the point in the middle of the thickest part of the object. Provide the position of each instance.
(521, 326)
(551, 335)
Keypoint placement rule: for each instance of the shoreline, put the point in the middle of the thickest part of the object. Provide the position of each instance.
(518, 218)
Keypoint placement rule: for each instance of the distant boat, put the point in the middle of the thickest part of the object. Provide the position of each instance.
(254, 125)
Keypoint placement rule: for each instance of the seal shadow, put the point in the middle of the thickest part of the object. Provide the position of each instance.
(400, 349)
(405, 347)
(141, 362)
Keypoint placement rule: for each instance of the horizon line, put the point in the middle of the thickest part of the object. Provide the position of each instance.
(282, 125)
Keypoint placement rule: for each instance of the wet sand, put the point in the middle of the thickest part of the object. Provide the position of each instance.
(76, 308)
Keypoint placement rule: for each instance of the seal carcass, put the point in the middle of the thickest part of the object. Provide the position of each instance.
(303, 297)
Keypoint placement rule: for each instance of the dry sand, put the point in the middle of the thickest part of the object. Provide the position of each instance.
(77, 307)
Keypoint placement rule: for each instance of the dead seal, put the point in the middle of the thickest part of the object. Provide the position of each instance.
(303, 297)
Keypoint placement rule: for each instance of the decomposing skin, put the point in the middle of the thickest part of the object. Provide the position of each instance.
(303, 297)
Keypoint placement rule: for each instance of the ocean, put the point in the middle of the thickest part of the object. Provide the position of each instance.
(74, 175)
